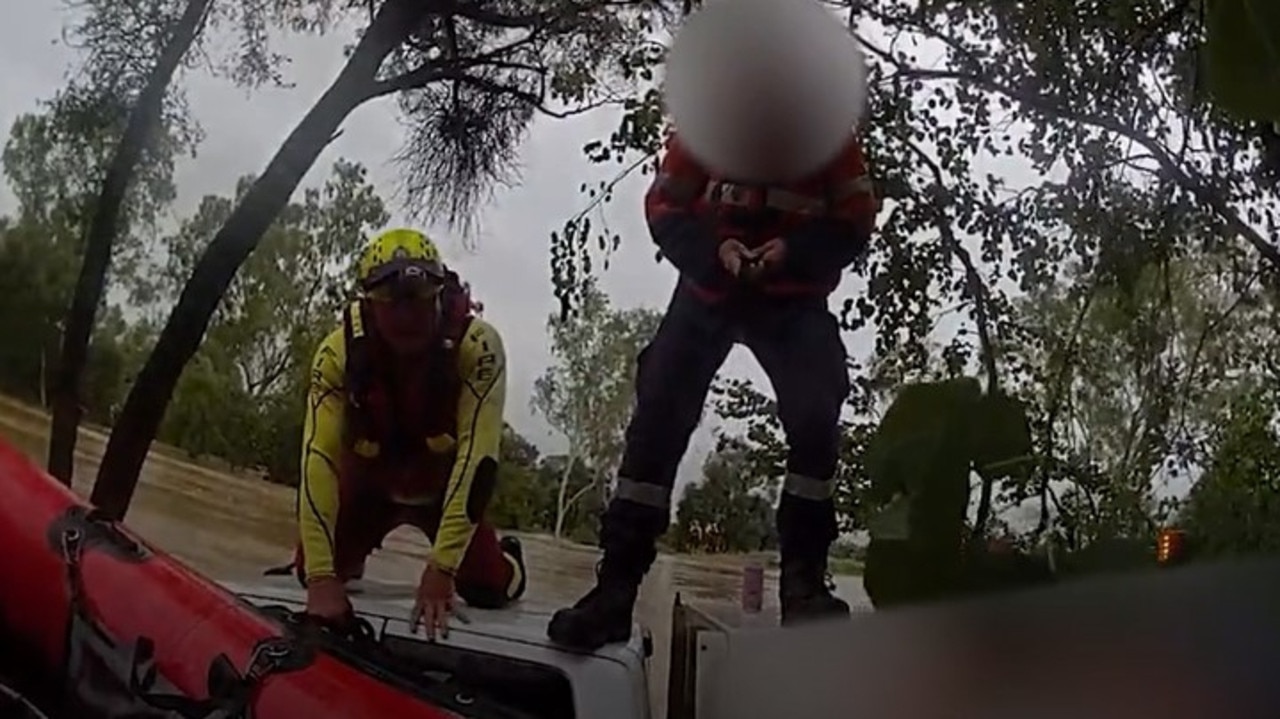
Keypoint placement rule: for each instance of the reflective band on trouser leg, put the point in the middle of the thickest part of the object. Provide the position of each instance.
(650, 495)
(816, 490)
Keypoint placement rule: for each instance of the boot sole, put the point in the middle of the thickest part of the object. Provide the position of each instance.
(567, 639)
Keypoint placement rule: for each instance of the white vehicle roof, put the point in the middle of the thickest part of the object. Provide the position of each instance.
(610, 682)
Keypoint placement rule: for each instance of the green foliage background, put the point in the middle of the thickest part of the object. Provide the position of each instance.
(1065, 329)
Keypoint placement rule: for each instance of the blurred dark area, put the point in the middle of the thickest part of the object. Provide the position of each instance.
(1193, 642)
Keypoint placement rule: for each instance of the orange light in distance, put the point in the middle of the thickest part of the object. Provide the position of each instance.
(1169, 545)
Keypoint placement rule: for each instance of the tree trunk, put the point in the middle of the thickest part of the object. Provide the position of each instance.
(564, 489)
(148, 398)
(579, 495)
(101, 232)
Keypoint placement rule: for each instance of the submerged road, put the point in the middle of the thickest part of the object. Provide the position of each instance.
(232, 527)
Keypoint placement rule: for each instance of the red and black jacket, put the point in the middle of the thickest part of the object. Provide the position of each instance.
(825, 219)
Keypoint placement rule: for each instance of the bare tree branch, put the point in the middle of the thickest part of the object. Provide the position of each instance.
(426, 74)
(451, 68)
(1269, 249)
(529, 20)
(982, 319)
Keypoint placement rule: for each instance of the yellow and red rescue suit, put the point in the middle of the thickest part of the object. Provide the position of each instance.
(420, 449)
(826, 220)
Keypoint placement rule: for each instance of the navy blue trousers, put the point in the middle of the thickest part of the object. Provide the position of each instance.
(797, 342)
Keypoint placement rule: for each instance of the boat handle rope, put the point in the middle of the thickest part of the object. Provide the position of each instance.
(72, 547)
(234, 697)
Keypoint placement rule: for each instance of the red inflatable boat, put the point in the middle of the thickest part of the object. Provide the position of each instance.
(117, 628)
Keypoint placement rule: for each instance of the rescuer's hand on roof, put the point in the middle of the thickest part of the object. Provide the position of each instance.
(327, 599)
(434, 602)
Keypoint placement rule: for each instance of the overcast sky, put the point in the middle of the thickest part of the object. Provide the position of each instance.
(508, 268)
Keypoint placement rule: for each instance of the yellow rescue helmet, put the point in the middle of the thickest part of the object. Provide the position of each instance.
(395, 253)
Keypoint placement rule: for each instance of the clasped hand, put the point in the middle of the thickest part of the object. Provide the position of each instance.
(743, 262)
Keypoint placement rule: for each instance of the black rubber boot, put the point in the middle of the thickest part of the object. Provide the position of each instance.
(806, 530)
(806, 592)
(628, 533)
(512, 547)
(603, 616)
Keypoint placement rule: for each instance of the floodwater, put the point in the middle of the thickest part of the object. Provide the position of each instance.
(232, 527)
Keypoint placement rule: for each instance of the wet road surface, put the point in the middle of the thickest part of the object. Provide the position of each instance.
(232, 527)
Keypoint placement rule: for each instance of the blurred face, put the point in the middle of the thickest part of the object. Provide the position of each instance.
(406, 313)
(765, 136)
(764, 90)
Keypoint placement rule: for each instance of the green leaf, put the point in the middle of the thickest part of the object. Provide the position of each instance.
(1243, 56)
(1001, 438)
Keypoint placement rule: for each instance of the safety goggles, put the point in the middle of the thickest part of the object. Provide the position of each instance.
(408, 283)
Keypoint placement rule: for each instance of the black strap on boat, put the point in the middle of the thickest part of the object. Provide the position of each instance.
(70, 534)
(91, 529)
(72, 544)
(354, 640)
(230, 692)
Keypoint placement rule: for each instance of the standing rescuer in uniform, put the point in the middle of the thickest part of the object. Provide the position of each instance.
(403, 426)
(756, 265)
